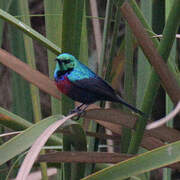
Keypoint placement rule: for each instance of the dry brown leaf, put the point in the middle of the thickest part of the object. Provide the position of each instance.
(167, 78)
(33, 76)
(83, 157)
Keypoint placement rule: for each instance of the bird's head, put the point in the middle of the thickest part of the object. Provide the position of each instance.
(65, 64)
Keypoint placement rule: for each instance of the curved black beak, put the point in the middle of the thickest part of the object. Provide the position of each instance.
(56, 59)
(59, 62)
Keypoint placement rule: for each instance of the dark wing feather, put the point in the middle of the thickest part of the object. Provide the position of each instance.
(97, 86)
(102, 90)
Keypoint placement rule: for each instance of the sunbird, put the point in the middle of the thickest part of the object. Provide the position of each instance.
(78, 82)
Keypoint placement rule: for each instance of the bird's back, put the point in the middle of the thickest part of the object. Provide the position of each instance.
(81, 72)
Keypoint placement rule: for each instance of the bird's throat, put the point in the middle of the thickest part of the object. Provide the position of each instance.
(62, 73)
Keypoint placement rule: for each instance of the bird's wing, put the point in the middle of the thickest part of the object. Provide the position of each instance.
(84, 78)
(97, 86)
(101, 88)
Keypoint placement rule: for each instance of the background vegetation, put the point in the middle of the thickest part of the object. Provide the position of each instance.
(115, 38)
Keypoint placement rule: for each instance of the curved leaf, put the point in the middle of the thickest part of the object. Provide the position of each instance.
(25, 139)
(29, 31)
(145, 162)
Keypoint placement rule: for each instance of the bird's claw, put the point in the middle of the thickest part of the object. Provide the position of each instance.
(79, 111)
(76, 110)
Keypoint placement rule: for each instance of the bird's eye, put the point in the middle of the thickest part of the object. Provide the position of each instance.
(67, 61)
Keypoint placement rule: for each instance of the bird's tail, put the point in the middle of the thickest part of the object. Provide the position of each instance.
(130, 106)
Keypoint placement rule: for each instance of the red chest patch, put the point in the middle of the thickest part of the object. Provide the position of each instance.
(64, 85)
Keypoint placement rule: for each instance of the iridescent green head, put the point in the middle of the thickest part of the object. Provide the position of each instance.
(65, 64)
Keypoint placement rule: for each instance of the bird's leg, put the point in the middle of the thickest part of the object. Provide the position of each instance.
(77, 109)
(81, 112)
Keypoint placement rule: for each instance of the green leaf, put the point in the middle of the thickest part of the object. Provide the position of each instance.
(76, 141)
(22, 102)
(53, 32)
(71, 37)
(145, 162)
(29, 31)
(25, 139)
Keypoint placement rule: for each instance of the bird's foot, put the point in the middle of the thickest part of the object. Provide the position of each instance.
(76, 110)
(80, 111)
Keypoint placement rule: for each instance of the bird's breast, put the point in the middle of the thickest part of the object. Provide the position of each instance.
(64, 85)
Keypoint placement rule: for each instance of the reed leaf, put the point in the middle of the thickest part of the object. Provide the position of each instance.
(29, 31)
(74, 142)
(71, 40)
(25, 139)
(134, 166)
(53, 32)
(108, 16)
(30, 56)
(71, 36)
(169, 105)
(128, 84)
(143, 66)
(22, 102)
(5, 6)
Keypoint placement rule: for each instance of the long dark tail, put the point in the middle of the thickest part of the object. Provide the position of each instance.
(130, 106)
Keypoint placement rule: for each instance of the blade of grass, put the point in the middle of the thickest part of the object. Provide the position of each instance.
(36, 148)
(84, 39)
(53, 33)
(29, 31)
(4, 4)
(17, 123)
(71, 38)
(114, 41)
(143, 66)
(93, 142)
(84, 60)
(76, 141)
(25, 139)
(108, 16)
(134, 166)
(14, 165)
(169, 105)
(158, 16)
(30, 55)
(128, 84)
(22, 103)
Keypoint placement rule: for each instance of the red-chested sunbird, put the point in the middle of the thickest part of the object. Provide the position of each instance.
(78, 82)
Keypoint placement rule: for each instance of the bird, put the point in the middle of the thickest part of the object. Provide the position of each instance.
(79, 83)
